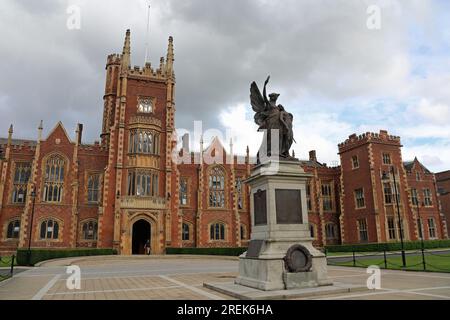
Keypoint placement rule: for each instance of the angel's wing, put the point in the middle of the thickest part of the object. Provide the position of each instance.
(258, 104)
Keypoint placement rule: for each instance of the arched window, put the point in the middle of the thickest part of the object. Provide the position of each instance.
(331, 231)
(186, 232)
(21, 176)
(49, 230)
(89, 229)
(217, 188)
(240, 193)
(217, 231)
(54, 179)
(93, 188)
(13, 230)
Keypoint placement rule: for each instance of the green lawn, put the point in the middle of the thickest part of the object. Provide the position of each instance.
(413, 263)
(6, 262)
(338, 254)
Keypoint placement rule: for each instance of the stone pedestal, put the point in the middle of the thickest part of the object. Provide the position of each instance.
(279, 221)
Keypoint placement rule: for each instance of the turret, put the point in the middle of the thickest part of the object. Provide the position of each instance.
(170, 58)
(10, 133)
(40, 128)
(126, 53)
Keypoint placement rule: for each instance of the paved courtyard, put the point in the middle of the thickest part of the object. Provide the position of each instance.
(172, 278)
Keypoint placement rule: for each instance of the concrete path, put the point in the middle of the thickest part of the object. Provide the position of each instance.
(176, 278)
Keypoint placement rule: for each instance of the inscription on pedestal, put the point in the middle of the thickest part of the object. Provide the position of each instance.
(289, 206)
(260, 207)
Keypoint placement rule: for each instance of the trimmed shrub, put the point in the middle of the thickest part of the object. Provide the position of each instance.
(232, 252)
(38, 255)
(392, 246)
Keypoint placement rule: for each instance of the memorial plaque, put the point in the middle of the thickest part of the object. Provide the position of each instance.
(289, 206)
(255, 248)
(260, 207)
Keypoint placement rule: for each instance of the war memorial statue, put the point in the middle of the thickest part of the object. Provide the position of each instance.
(281, 260)
(272, 119)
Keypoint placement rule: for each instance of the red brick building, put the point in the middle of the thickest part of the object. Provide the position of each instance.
(443, 185)
(373, 177)
(135, 185)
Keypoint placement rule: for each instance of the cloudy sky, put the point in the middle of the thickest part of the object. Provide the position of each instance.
(334, 74)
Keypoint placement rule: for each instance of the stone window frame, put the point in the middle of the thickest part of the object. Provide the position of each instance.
(356, 198)
(132, 185)
(188, 189)
(44, 181)
(23, 185)
(134, 141)
(388, 195)
(392, 229)
(242, 194)
(331, 226)
(225, 231)
(6, 227)
(88, 175)
(60, 222)
(432, 229)
(355, 162)
(329, 197)
(190, 227)
(418, 176)
(415, 197)
(153, 101)
(428, 197)
(362, 227)
(223, 191)
(309, 196)
(81, 231)
(386, 158)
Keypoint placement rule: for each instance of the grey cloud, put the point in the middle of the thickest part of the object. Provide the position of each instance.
(311, 48)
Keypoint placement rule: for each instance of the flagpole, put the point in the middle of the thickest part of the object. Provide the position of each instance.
(147, 35)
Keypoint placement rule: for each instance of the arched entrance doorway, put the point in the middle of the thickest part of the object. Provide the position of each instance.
(141, 233)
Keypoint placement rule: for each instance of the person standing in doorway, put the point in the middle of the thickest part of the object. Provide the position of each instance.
(147, 248)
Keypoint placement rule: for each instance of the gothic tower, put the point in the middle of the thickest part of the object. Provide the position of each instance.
(138, 122)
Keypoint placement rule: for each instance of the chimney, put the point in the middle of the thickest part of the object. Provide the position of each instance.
(185, 140)
(79, 133)
(312, 156)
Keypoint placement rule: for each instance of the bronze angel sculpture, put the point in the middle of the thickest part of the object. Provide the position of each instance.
(270, 117)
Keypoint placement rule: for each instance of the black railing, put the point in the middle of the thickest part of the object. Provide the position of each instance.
(7, 266)
(418, 260)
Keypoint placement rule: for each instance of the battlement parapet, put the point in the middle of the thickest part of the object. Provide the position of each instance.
(381, 137)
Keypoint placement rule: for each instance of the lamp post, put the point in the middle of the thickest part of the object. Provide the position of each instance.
(420, 222)
(398, 214)
(33, 196)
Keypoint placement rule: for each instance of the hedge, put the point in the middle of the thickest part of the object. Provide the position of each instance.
(207, 251)
(391, 246)
(38, 255)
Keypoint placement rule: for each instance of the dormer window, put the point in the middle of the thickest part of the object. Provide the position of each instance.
(145, 105)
